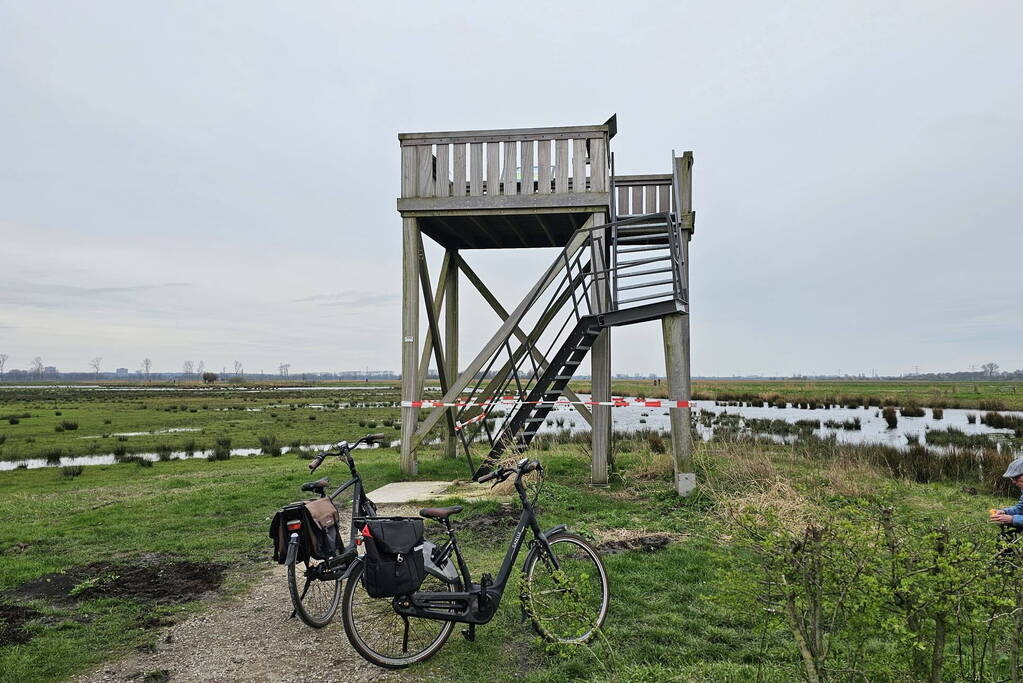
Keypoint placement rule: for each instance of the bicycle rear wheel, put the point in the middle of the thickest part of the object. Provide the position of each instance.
(315, 599)
(569, 604)
(384, 637)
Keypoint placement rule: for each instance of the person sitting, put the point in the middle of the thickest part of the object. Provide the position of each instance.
(1012, 515)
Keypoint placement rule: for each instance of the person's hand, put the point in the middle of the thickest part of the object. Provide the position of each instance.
(1001, 518)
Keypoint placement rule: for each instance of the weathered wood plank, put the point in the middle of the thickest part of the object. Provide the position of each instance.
(451, 336)
(561, 167)
(650, 199)
(622, 205)
(675, 331)
(409, 170)
(543, 161)
(458, 172)
(493, 169)
(637, 200)
(511, 162)
(526, 154)
(438, 301)
(501, 134)
(664, 198)
(579, 165)
(409, 341)
(443, 188)
(424, 159)
(487, 202)
(476, 169)
(598, 165)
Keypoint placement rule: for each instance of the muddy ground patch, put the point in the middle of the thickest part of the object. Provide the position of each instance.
(627, 540)
(155, 579)
(12, 624)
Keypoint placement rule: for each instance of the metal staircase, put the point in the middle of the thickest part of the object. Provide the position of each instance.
(619, 273)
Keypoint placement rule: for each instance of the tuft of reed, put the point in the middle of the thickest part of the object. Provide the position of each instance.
(270, 445)
(937, 413)
(912, 410)
(890, 417)
(71, 471)
(221, 449)
(53, 456)
(163, 452)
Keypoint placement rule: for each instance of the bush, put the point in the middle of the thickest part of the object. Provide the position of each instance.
(53, 456)
(890, 417)
(221, 450)
(13, 420)
(163, 452)
(270, 445)
(71, 471)
(937, 413)
(68, 425)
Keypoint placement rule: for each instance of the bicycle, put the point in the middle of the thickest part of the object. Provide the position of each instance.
(564, 589)
(318, 599)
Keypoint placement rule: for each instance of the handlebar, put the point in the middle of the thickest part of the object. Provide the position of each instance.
(368, 439)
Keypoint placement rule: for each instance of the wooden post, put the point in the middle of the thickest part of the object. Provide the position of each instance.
(600, 360)
(409, 340)
(675, 329)
(451, 338)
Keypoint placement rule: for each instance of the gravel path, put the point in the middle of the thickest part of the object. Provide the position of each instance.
(249, 638)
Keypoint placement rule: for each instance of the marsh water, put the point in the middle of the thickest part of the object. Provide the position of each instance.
(872, 427)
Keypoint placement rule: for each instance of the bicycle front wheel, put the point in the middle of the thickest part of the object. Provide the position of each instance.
(315, 599)
(568, 604)
(384, 637)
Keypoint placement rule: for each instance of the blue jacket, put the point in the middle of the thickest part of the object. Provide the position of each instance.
(1017, 513)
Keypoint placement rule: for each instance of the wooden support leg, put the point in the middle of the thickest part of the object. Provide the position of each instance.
(675, 329)
(600, 362)
(451, 339)
(409, 341)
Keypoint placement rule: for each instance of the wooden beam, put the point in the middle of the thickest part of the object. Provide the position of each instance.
(431, 319)
(451, 335)
(498, 339)
(600, 359)
(515, 230)
(594, 201)
(546, 230)
(431, 341)
(472, 277)
(409, 340)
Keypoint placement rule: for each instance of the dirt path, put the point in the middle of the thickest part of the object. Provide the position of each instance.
(248, 638)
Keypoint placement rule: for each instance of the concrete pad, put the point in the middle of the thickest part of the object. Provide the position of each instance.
(406, 491)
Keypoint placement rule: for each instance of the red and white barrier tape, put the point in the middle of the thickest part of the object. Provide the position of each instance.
(615, 402)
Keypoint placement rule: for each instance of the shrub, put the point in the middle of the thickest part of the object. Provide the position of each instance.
(222, 449)
(53, 456)
(971, 418)
(912, 410)
(120, 452)
(270, 445)
(937, 413)
(163, 452)
(106, 422)
(68, 425)
(13, 420)
(890, 417)
(71, 471)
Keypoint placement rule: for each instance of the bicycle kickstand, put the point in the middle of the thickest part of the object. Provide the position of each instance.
(470, 633)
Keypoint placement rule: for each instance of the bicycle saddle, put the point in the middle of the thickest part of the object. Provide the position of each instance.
(317, 485)
(440, 513)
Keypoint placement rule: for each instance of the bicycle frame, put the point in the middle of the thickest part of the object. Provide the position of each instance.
(479, 603)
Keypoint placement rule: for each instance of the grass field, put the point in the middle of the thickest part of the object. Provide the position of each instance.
(693, 609)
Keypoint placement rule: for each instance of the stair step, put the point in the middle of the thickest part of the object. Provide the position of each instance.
(562, 377)
(646, 284)
(633, 250)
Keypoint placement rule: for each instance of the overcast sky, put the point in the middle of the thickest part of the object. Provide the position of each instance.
(217, 181)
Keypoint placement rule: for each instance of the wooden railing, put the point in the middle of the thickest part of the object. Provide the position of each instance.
(640, 194)
(532, 165)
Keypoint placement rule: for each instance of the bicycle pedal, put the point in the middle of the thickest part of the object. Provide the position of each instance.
(470, 633)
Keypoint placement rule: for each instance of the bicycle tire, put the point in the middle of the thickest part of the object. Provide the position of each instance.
(316, 604)
(385, 621)
(559, 614)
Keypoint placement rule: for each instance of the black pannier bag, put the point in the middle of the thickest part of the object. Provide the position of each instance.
(318, 533)
(394, 558)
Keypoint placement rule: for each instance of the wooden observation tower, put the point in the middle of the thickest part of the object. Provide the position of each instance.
(623, 259)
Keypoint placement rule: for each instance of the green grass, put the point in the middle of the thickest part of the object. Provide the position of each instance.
(243, 417)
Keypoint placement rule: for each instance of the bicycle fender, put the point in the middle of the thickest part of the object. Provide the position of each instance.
(292, 550)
